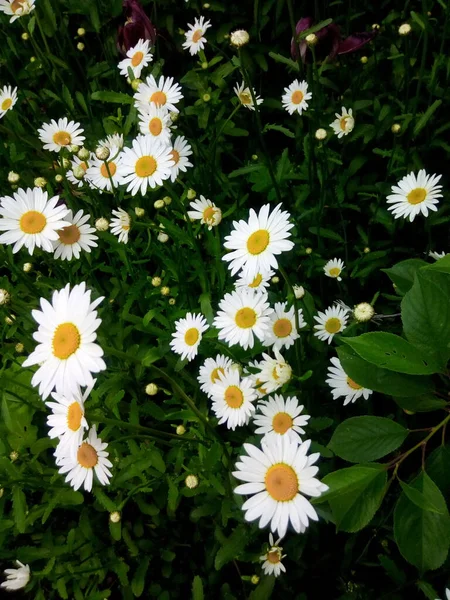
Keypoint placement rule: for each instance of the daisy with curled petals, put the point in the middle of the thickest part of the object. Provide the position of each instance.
(232, 398)
(272, 564)
(242, 315)
(273, 372)
(76, 162)
(342, 386)
(106, 174)
(67, 421)
(90, 457)
(333, 320)
(255, 243)
(137, 58)
(16, 8)
(209, 371)
(282, 332)
(74, 238)
(165, 93)
(206, 212)
(295, 97)
(30, 219)
(66, 353)
(195, 36)
(344, 123)
(415, 195)
(278, 477)
(245, 96)
(113, 142)
(280, 417)
(334, 268)
(121, 225)
(155, 122)
(16, 578)
(188, 335)
(8, 97)
(179, 153)
(57, 135)
(257, 283)
(147, 164)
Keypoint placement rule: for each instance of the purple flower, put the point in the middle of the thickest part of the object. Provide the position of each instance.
(137, 27)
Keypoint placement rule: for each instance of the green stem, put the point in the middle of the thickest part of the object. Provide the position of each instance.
(152, 433)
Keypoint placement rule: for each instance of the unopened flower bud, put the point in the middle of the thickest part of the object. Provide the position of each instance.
(73, 148)
(308, 250)
(364, 59)
(206, 97)
(40, 182)
(78, 172)
(275, 279)
(366, 250)
(162, 237)
(27, 267)
(13, 177)
(239, 38)
(83, 154)
(151, 389)
(396, 128)
(80, 46)
(363, 312)
(375, 27)
(207, 5)
(25, 36)
(81, 31)
(167, 200)
(135, 84)
(172, 301)
(191, 194)
(204, 65)
(10, 320)
(114, 517)
(1, 492)
(140, 212)
(156, 281)
(102, 153)
(320, 134)
(180, 430)
(254, 157)
(299, 291)
(32, 59)
(254, 579)
(58, 178)
(191, 481)
(159, 204)
(5, 297)
(101, 224)
(14, 456)
(404, 29)
(173, 116)
(311, 39)
(19, 348)
(165, 291)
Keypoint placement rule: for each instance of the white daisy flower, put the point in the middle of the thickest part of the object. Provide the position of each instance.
(165, 93)
(273, 372)
(113, 142)
(342, 386)
(16, 8)
(272, 564)
(447, 593)
(334, 268)
(252, 371)
(415, 195)
(195, 36)
(256, 242)
(137, 58)
(209, 371)
(121, 225)
(104, 175)
(188, 335)
(30, 219)
(295, 97)
(57, 135)
(206, 212)
(258, 283)
(436, 255)
(155, 122)
(344, 123)
(91, 457)
(242, 315)
(277, 478)
(74, 238)
(8, 97)
(179, 153)
(332, 321)
(278, 417)
(245, 96)
(66, 353)
(233, 398)
(19, 577)
(282, 332)
(76, 162)
(147, 164)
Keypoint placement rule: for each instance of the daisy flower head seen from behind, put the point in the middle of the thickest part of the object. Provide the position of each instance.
(121, 225)
(282, 332)
(8, 97)
(278, 477)
(344, 123)
(16, 8)
(245, 96)
(30, 219)
(188, 335)
(210, 370)
(80, 164)
(137, 58)
(415, 195)
(255, 243)
(272, 564)
(195, 36)
(206, 212)
(74, 238)
(330, 322)
(58, 135)
(106, 174)
(17, 578)
(155, 122)
(296, 96)
(180, 152)
(164, 93)
(278, 416)
(342, 386)
(333, 268)
(113, 142)
(233, 398)
(257, 283)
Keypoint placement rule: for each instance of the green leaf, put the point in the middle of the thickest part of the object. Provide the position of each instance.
(427, 589)
(19, 508)
(285, 61)
(232, 547)
(103, 499)
(68, 98)
(426, 117)
(425, 403)
(422, 536)
(326, 233)
(138, 581)
(363, 439)
(438, 468)
(442, 265)
(264, 589)
(116, 97)
(418, 498)
(197, 589)
(402, 274)
(287, 132)
(49, 20)
(417, 19)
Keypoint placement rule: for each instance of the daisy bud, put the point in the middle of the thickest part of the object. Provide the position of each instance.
(308, 250)
(101, 224)
(5, 297)
(83, 154)
(156, 281)
(239, 38)
(404, 29)
(396, 128)
(151, 389)
(102, 153)
(19, 348)
(167, 200)
(140, 212)
(13, 177)
(25, 36)
(191, 194)
(320, 134)
(172, 301)
(81, 31)
(165, 291)
(40, 182)
(58, 178)
(366, 250)
(1, 492)
(162, 237)
(191, 481)
(299, 291)
(114, 517)
(254, 579)
(65, 163)
(275, 279)
(364, 59)
(254, 157)
(363, 312)
(311, 39)
(32, 59)
(80, 46)
(207, 5)
(27, 267)
(159, 204)
(73, 148)
(10, 320)
(78, 172)
(180, 430)
(14, 456)
(204, 65)
(173, 117)
(375, 27)
(135, 84)
(206, 97)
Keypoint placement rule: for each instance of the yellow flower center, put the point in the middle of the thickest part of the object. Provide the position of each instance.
(137, 59)
(32, 222)
(282, 328)
(69, 235)
(343, 123)
(281, 482)
(6, 104)
(245, 317)
(16, 5)
(159, 98)
(87, 456)
(155, 126)
(215, 374)
(416, 196)
(83, 165)
(191, 336)
(62, 138)
(275, 374)
(353, 384)
(245, 98)
(66, 340)
(297, 97)
(333, 325)
(256, 282)
(234, 397)
(261, 390)
(175, 156)
(258, 241)
(197, 35)
(74, 416)
(145, 166)
(112, 169)
(274, 556)
(282, 422)
(334, 272)
(208, 214)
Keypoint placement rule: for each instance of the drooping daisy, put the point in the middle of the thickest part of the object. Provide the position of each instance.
(334, 268)
(209, 371)
(121, 225)
(282, 332)
(333, 320)
(16, 8)
(104, 175)
(147, 164)
(206, 212)
(113, 142)
(91, 457)
(74, 238)
(257, 283)
(277, 477)
(245, 96)
(30, 219)
(195, 36)
(415, 195)
(342, 386)
(242, 315)
(67, 421)
(188, 335)
(66, 353)
(344, 123)
(57, 135)
(76, 162)
(272, 564)
(137, 58)
(295, 97)
(436, 255)
(278, 417)
(155, 122)
(256, 242)
(16, 578)
(165, 93)
(179, 153)
(8, 97)
(273, 372)
(232, 398)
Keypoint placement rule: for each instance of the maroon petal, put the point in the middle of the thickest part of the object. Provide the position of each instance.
(296, 47)
(137, 27)
(355, 42)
